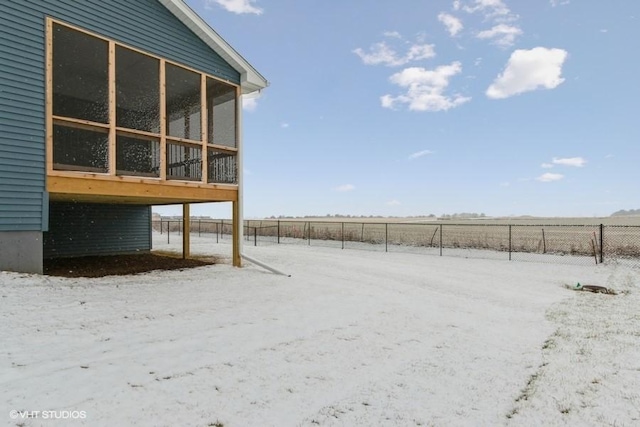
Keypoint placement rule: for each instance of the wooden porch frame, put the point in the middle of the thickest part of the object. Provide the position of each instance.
(85, 186)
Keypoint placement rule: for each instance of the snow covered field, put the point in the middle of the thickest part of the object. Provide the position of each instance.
(353, 338)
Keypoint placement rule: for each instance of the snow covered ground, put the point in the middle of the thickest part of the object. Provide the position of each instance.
(352, 338)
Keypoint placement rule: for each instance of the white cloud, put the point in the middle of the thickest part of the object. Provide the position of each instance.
(549, 177)
(381, 53)
(284, 125)
(505, 184)
(393, 203)
(239, 6)
(453, 24)
(425, 89)
(577, 162)
(491, 9)
(546, 165)
(502, 35)
(529, 70)
(420, 154)
(420, 51)
(555, 3)
(345, 187)
(503, 32)
(392, 34)
(249, 104)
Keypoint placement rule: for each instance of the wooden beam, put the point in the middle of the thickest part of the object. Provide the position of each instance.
(186, 231)
(237, 259)
(100, 185)
(80, 124)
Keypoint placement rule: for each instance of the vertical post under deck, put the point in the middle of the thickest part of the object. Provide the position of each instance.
(186, 231)
(236, 233)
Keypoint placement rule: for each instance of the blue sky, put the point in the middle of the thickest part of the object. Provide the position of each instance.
(416, 107)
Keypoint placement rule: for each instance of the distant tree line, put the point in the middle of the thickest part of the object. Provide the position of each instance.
(623, 212)
(464, 215)
(346, 216)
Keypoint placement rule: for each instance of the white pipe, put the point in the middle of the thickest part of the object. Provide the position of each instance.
(265, 266)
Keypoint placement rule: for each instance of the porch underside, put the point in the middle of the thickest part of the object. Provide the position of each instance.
(129, 190)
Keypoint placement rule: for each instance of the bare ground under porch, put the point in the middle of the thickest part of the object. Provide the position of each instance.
(118, 265)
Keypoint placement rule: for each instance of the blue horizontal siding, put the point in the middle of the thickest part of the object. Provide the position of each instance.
(17, 131)
(81, 229)
(22, 133)
(20, 167)
(14, 148)
(24, 114)
(26, 215)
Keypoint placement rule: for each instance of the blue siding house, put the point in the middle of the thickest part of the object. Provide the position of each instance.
(106, 109)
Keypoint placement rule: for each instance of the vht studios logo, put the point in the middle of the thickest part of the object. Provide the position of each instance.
(48, 415)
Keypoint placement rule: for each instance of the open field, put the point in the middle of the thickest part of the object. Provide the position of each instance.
(519, 239)
(352, 338)
(609, 220)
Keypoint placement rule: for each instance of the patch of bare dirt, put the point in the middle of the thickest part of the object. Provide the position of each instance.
(100, 266)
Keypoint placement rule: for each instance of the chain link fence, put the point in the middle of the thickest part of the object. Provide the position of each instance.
(574, 244)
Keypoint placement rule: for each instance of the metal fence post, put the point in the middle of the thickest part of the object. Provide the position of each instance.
(509, 242)
(255, 236)
(601, 243)
(168, 230)
(309, 231)
(199, 224)
(217, 234)
(278, 231)
(386, 237)
(343, 235)
(441, 227)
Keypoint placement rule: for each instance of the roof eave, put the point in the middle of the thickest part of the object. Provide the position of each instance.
(250, 79)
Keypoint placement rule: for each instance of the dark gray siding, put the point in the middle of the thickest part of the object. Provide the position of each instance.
(144, 24)
(78, 229)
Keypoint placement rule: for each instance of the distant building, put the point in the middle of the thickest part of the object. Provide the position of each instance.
(108, 108)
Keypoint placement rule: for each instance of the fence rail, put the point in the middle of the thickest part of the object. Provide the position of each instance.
(543, 242)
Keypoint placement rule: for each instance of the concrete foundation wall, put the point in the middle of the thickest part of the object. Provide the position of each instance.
(21, 251)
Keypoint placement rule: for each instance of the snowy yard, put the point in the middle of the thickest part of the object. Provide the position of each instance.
(353, 338)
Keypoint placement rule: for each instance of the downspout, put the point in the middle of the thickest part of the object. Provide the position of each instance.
(240, 224)
(265, 266)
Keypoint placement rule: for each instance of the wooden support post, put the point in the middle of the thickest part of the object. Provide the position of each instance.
(163, 122)
(186, 231)
(49, 96)
(204, 133)
(236, 226)
(112, 150)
